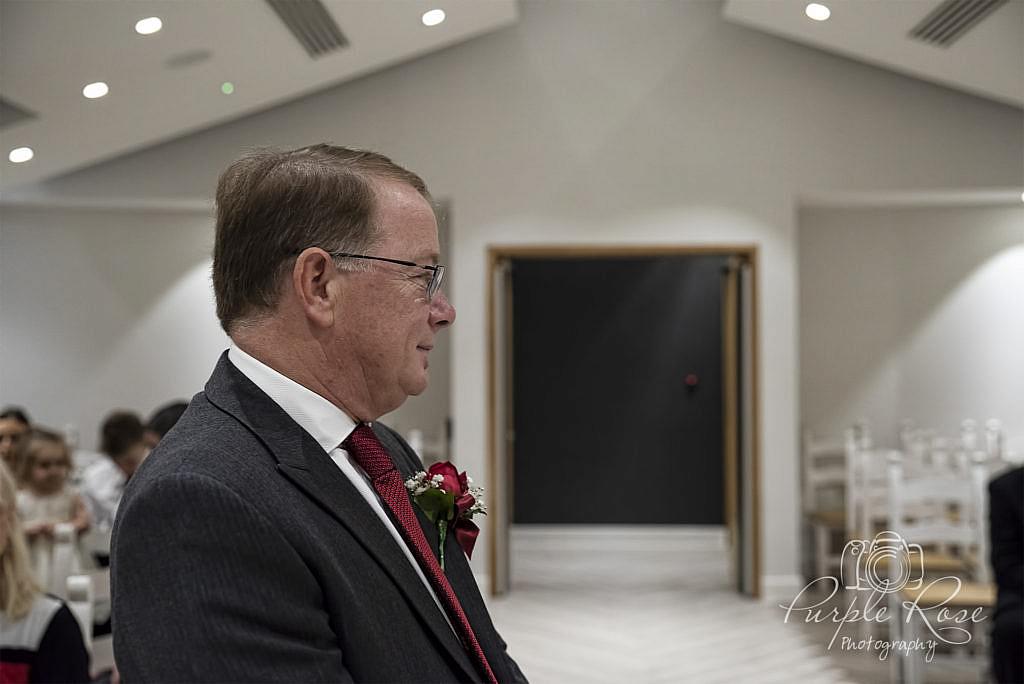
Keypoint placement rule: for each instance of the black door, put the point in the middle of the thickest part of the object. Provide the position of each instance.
(617, 377)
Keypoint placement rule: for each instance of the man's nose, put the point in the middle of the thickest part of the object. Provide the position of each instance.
(442, 313)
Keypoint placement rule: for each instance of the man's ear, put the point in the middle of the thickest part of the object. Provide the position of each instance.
(311, 276)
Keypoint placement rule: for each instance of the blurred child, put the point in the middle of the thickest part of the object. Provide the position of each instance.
(40, 640)
(45, 501)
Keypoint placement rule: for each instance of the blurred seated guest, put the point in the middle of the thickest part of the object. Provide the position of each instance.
(123, 440)
(1006, 527)
(81, 461)
(80, 458)
(162, 420)
(45, 501)
(14, 425)
(40, 640)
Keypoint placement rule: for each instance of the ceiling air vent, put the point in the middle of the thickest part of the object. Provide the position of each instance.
(952, 19)
(183, 60)
(311, 24)
(11, 113)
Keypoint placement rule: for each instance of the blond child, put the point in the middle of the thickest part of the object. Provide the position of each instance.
(40, 640)
(49, 507)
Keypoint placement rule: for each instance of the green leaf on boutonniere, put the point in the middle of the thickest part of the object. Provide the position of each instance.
(437, 504)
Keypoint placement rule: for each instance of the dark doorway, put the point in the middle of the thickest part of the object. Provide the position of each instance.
(617, 390)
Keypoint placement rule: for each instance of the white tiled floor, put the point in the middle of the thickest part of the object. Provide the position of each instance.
(645, 614)
(621, 609)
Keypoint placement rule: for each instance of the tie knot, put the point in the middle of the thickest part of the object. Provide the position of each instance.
(368, 452)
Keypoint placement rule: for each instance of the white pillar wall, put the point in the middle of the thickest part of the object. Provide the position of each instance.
(585, 123)
(103, 310)
(926, 304)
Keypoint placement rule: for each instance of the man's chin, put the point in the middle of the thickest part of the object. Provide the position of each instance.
(416, 384)
(419, 388)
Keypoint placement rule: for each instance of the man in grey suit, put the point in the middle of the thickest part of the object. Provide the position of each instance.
(265, 537)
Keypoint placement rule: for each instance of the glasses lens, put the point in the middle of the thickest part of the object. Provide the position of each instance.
(435, 283)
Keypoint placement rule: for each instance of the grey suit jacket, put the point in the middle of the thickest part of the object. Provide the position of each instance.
(241, 553)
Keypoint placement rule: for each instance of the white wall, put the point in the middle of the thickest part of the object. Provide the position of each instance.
(114, 309)
(618, 122)
(102, 310)
(912, 313)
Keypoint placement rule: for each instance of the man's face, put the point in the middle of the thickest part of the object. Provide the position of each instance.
(131, 459)
(151, 438)
(384, 318)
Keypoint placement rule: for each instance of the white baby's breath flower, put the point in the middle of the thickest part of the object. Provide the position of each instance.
(417, 483)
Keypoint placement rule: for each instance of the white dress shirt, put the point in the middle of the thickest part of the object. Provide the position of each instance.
(102, 486)
(329, 426)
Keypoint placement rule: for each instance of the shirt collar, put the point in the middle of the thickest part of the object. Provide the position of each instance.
(324, 421)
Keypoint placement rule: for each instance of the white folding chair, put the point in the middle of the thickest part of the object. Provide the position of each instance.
(920, 507)
(994, 439)
(88, 597)
(866, 488)
(824, 485)
(64, 560)
(867, 507)
(78, 589)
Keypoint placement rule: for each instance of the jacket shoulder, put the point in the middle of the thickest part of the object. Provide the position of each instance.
(1010, 484)
(205, 441)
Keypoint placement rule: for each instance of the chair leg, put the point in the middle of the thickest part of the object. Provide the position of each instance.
(915, 659)
(822, 546)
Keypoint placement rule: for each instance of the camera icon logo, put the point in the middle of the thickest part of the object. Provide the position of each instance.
(885, 564)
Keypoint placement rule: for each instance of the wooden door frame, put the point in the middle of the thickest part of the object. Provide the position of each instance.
(498, 253)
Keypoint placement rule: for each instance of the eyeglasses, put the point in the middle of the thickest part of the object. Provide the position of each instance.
(436, 272)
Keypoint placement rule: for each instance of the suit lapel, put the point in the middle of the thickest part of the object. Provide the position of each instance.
(460, 575)
(304, 464)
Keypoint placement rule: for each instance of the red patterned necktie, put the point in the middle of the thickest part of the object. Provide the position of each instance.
(372, 458)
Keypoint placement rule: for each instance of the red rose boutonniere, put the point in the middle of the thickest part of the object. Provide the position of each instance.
(450, 500)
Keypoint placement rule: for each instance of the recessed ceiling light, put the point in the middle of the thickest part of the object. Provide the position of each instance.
(433, 17)
(148, 26)
(817, 12)
(1021, 194)
(227, 87)
(94, 90)
(21, 154)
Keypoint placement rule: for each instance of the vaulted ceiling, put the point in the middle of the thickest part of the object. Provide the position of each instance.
(168, 84)
(171, 83)
(972, 45)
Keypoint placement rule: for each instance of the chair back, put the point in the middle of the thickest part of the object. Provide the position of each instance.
(824, 473)
(939, 506)
(865, 478)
